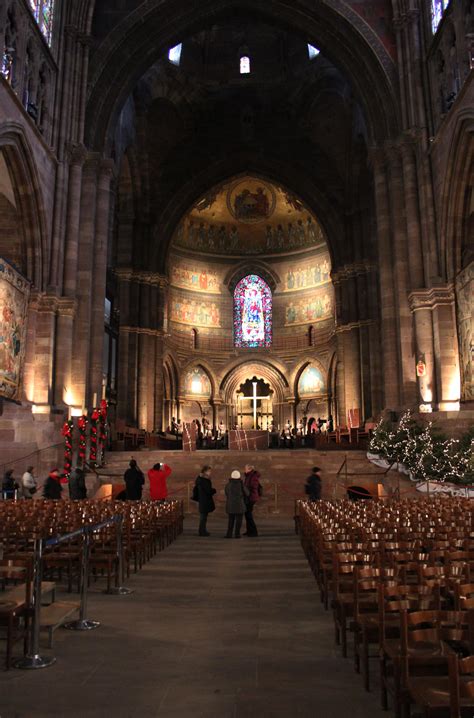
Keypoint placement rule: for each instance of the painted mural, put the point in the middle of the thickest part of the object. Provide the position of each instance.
(309, 275)
(196, 383)
(313, 308)
(14, 295)
(197, 280)
(311, 382)
(195, 313)
(251, 200)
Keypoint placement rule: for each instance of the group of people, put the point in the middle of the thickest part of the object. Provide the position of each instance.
(28, 485)
(242, 494)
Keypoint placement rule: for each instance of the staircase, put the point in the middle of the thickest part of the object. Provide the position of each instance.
(283, 473)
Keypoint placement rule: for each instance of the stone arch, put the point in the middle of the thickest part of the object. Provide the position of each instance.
(457, 221)
(132, 47)
(253, 266)
(273, 170)
(28, 198)
(254, 365)
(302, 365)
(207, 369)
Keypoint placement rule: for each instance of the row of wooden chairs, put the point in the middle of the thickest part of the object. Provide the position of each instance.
(397, 576)
(147, 527)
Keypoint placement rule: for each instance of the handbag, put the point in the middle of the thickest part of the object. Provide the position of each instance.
(195, 494)
(33, 490)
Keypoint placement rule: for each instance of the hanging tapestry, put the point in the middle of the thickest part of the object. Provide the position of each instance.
(14, 295)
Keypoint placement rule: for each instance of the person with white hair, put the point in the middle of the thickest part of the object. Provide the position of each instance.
(236, 496)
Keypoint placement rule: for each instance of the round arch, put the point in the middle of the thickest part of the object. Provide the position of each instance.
(342, 35)
(302, 365)
(206, 368)
(254, 366)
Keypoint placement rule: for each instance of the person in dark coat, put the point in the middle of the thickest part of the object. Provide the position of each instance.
(205, 498)
(134, 480)
(236, 495)
(52, 488)
(313, 484)
(252, 484)
(77, 485)
(9, 485)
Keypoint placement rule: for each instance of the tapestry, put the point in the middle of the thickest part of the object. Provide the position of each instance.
(196, 382)
(14, 295)
(311, 382)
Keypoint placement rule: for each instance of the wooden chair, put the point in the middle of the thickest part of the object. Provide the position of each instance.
(445, 697)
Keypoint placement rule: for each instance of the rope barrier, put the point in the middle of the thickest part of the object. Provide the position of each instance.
(33, 659)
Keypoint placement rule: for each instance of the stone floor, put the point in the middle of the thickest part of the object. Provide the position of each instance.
(214, 629)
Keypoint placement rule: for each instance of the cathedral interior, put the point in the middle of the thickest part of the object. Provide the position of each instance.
(237, 217)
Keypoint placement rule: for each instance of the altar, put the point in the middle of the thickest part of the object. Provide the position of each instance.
(248, 440)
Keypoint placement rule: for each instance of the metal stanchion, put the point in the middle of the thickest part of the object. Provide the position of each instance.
(33, 659)
(119, 590)
(83, 623)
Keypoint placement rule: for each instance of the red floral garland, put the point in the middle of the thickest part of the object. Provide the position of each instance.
(95, 416)
(103, 429)
(82, 424)
(67, 433)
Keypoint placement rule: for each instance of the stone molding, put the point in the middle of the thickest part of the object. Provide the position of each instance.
(350, 326)
(352, 270)
(152, 278)
(143, 330)
(431, 298)
(52, 304)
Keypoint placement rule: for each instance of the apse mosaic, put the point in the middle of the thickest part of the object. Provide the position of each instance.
(311, 382)
(197, 280)
(196, 382)
(195, 313)
(251, 200)
(313, 308)
(309, 275)
(249, 216)
(14, 295)
(252, 313)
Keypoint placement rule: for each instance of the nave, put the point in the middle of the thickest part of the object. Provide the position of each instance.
(214, 629)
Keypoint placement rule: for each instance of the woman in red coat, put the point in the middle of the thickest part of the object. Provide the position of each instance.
(157, 476)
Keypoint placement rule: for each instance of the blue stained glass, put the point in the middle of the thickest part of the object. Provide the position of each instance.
(43, 14)
(252, 313)
(437, 9)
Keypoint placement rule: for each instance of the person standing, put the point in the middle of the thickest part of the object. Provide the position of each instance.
(9, 485)
(77, 485)
(157, 477)
(134, 481)
(252, 484)
(52, 488)
(29, 485)
(236, 494)
(313, 484)
(205, 494)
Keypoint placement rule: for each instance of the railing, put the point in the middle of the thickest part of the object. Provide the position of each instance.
(343, 471)
(33, 659)
(31, 458)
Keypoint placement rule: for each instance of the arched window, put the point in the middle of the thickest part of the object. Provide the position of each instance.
(438, 7)
(252, 313)
(245, 65)
(312, 51)
(174, 54)
(43, 12)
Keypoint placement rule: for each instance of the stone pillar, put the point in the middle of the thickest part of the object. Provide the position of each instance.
(408, 393)
(63, 389)
(389, 355)
(82, 325)
(100, 276)
(161, 420)
(421, 308)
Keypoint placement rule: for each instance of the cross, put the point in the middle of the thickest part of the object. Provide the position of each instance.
(254, 398)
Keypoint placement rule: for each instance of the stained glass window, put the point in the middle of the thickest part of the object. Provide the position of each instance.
(174, 54)
(312, 51)
(252, 313)
(244, 65)
(437, 9)
(43, 12)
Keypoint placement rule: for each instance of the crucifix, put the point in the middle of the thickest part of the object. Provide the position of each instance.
(254, 398)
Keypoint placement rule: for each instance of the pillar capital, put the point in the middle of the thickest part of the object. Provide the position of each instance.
(431, 298)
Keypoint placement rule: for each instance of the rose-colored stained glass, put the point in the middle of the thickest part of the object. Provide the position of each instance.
(252, 313)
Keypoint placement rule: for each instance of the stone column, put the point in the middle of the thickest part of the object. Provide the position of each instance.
(63, 389)
(101, 239)
(161, 420)
(84, 281)
(389, 355)
(401, 274)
